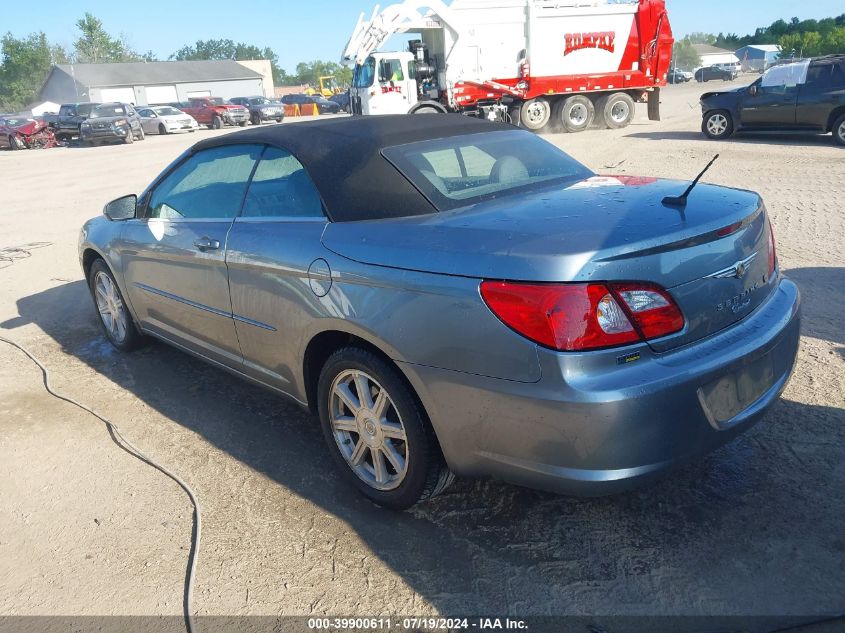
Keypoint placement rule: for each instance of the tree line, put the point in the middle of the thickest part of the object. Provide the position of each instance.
(25, 61)
(797, 38)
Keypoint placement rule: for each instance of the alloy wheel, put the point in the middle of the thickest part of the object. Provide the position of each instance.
(110, 306)
(368, 430)
(717, 124)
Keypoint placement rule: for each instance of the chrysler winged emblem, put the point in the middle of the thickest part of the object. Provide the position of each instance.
(736, 271)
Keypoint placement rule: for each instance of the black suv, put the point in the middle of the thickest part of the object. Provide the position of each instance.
(803, 96)
(111, 122)
(261, 109)
(71, 116)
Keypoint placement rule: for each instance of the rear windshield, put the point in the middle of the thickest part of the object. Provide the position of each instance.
(461, 170)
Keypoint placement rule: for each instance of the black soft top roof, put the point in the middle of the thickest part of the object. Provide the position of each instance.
(343, 158)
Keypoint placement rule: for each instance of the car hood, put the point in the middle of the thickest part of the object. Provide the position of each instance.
(29, 128)
(719, 93)
(598, 228)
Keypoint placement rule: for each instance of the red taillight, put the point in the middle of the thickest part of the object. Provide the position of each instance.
(773, 258)
(577, 317)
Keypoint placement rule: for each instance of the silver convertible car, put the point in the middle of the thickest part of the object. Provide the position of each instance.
(451, 295)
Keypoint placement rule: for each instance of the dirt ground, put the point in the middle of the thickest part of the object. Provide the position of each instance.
(754, 529)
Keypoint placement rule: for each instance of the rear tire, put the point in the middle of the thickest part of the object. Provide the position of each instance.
(535, 114)
(368, 442)
(839, 131)
(615, 111)
(717, 125)
(575, 113)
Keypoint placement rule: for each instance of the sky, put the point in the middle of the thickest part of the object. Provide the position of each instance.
(300, 30)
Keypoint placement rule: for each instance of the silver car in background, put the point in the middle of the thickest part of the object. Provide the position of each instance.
(450, 295)
(166, 119)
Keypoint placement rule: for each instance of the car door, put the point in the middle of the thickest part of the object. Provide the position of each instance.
(776, 98)
(174, 255)
(818, 97)
(271, 247)
(149, 121)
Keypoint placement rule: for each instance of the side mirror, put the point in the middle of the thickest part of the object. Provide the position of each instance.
(124, 208)
(753, 91)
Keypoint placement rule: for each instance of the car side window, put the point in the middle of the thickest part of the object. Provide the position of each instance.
(837, 81)
(208, 185)
(281, 187)
(818, 79)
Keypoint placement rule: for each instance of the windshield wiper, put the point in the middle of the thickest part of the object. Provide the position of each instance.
(681, 201)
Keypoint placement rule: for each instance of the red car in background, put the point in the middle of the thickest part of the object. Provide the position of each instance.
(23, 132)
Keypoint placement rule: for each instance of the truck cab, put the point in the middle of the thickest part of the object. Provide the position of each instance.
(385, 84)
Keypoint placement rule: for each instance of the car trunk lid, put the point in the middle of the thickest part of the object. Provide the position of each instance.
(712, 255)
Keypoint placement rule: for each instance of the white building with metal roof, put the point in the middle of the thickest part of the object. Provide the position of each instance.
(147, 83)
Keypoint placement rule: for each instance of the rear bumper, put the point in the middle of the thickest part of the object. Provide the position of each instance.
(589, 431)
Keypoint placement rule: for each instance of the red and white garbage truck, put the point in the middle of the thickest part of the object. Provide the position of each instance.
(531, 62)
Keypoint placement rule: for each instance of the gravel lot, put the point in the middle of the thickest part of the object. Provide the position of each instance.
(754, 529)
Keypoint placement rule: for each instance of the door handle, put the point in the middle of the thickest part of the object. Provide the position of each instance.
(207, 244)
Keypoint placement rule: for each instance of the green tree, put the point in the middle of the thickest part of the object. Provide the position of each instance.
(228, 49)
(23, 65)
(684, 55)
(95, 45)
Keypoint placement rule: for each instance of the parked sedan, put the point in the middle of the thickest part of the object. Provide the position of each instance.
(24, 132)
(713, 73)
(261, 109)
(449, 295)
(324, 106)
(166, 120)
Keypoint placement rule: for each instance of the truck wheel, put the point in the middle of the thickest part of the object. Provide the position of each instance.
(615, 111)
(575, 113)
(216, 122)
(243, 123)
(536, 114)
(426, 110)
(256, 120)
(839, 131)
(162, 129)
(717, 125)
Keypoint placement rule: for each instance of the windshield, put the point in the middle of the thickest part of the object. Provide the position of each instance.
(17, 122)
(166, 110)
(461, 170)
(108, 109)
(219, 101)
(260, 101)
(365, 74)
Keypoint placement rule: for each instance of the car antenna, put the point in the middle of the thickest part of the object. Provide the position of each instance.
(681, 201)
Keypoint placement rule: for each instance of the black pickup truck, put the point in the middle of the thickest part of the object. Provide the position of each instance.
(71, 116)
(805, 96)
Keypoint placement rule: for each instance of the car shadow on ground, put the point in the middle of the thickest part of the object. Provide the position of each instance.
(708, 534)
(823, 297)
(805, 140)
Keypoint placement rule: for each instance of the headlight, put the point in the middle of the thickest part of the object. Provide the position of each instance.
(121, 122)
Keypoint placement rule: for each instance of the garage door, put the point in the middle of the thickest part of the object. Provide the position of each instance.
(199, 93)
(161, 94)
(125, 95)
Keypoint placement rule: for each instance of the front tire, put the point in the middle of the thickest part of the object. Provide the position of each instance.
(717, 125)
(535, 114)
(141, 135)
(839, 131)
(256, 120)
(216, 122)
(130, 138)
(114, 316)
(575, 113)
(377, 431)
(13, 143)
(162, 129)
